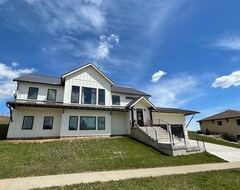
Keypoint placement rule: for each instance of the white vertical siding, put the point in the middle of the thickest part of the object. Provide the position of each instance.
(15, 127)
(87, 77)
(23, 88)
(65, 123)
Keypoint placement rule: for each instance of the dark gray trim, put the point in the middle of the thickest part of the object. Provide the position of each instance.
(44, 121)
(29, 91)
(47, 104)
(55, 94)
(69, 123)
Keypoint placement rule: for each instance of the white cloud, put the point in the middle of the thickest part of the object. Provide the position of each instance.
(7, 74)
(174, 92)
(71, 15)
(226, 81)
(228, 43)
(157, 76)
(105, 44)
(3, 2)
(15, 64)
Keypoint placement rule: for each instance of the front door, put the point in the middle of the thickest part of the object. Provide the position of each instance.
(140, 117)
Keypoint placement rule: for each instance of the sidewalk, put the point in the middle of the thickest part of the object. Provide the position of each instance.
(69, 179)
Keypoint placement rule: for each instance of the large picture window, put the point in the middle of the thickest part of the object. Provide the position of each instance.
(115, 100)
(101, 123)
(75, 94)
(101, 97)
(52, 93)
(73, 123)
(48, 123)
(27, 122)
(87, 123)
(32, 93)
(88, 95)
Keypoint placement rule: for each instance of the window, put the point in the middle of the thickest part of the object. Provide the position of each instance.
(238, 122)
(75, 94)
(101, 123)
(52, 94)
(32, 93)
(101, 97)
(88, 95)
(219, 123)
(48, 123)
(87, 123)
(130, 98)
(27, 122)
(73, 123)
(115, 100)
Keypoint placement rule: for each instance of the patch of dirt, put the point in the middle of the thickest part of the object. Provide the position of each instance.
(59, 139)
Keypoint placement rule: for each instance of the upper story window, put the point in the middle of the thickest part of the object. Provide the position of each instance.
(48, 123)
(219, 123)
(238, 122)
(101, 97)
(115, 100)
(32, 93)
(27, 122)
(130, 98)
(52, 93)
(75, 94)
(88, 95)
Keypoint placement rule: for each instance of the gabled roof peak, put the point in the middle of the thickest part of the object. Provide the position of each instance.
(85, 66)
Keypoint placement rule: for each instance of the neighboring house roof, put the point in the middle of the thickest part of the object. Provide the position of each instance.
(47, 104)
(84, 66)
(174, 110)
(128, 90)
(40, 79)
(135, 101)
(223, 115)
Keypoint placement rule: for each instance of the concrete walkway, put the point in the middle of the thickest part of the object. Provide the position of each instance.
(69, 179)
(226, 153)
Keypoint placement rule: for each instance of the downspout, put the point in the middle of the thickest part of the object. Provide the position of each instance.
(10, 109)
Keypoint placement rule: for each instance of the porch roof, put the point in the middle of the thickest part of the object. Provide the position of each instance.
(174, 110)
(135, 101)
(47, 104)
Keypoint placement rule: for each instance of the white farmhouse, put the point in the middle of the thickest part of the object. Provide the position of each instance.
(85, 102)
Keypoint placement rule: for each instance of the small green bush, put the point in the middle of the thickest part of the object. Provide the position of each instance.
(207, 132)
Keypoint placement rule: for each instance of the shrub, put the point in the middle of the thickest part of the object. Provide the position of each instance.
(207, 132)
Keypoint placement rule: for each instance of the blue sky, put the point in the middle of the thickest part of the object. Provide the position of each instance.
(185, 53)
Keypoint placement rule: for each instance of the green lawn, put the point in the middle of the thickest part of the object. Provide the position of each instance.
(213, 180)
(79, 155)
(192, 135)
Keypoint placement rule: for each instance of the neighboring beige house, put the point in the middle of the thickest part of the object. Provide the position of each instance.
(85, 102)
(224, 122)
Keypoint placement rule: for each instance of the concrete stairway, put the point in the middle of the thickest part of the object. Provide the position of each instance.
(160, 139)
(162, 135)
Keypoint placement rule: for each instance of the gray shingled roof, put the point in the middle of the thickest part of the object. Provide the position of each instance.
(40, 79)
(223, 115)
(128, 90)
(174, 110)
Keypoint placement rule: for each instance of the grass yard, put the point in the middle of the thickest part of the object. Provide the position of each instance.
(214, 180)
(192, 135)
(19, 159)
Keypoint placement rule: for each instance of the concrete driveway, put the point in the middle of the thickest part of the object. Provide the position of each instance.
(227, 153)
